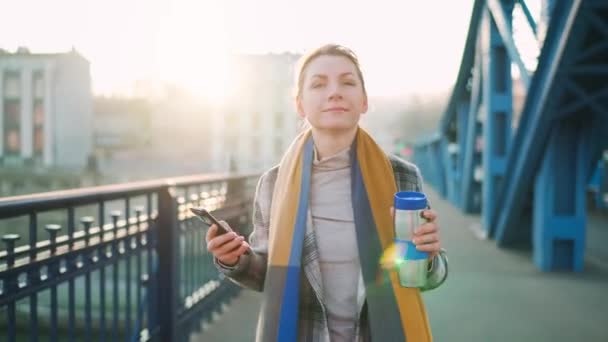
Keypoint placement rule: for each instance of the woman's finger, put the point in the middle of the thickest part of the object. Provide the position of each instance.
(426, 228)
(239, 251)
(229, 246)
(211, 233)
(429, 248)
(426, 239)
(218, 241)
(429, 214)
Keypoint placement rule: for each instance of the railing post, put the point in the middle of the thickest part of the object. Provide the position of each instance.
(11, 284)
(168, 271)
(53, 272)
(115, 271)
(87, 221)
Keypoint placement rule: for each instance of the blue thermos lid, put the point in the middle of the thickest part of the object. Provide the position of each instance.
(410, 200)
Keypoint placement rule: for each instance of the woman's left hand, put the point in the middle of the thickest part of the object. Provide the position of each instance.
(426, 236)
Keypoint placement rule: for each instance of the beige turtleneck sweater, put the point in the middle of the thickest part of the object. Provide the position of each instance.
(333, 221)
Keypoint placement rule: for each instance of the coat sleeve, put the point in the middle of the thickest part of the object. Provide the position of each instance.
(438, 269)
(250, 270)
(408, 177)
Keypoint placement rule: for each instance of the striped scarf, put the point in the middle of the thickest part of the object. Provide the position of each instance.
(395, 313)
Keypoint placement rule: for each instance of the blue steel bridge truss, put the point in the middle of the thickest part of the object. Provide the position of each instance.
(527, 177)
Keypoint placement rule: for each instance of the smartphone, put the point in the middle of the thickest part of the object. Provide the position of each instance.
(208, 219)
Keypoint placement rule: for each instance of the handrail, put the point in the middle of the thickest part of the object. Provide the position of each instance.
(22, 205)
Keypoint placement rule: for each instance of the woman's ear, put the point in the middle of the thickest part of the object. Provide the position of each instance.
(365, 105)
(299, 108)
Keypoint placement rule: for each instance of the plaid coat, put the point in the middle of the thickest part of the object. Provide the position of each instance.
(250, 271)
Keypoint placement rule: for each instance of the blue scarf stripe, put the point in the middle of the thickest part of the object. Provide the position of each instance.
(273, 286)
(295, 257)
(365, 226)
(288, 320)
(383, 311)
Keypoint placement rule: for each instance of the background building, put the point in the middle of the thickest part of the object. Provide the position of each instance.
(45, 110)
(256, 124)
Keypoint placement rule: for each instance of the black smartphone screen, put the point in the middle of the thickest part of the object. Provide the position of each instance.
(209, 219)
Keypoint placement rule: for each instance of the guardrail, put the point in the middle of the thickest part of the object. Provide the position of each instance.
(116, 262)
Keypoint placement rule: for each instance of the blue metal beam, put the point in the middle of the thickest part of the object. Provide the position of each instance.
(560, 197)
(526, 11)
(463, 117)
(439, 171)
(596, 185)
(584, 100)
(534, 126)
(472, 160)
(597, 22)
(502, 18)
(498, 107)
(421, 160)
(593, 69)
(591, 51)
(450, 161)
(471, 156)
(601, 199)
(560, 192)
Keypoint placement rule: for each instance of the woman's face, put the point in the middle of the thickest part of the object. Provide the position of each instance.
(332, 97)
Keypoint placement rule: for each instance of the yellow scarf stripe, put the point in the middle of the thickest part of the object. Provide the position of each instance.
(285, 202)
(377, 172)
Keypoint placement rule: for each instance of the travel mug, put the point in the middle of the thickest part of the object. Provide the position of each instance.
(411, 264)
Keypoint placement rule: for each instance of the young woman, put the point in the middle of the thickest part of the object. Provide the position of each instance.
(322, 219)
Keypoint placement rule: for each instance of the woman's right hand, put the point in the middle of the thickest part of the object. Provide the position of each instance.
(227, 248)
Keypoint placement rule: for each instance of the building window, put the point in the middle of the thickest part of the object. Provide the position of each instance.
(11, 134)
(38, 105)
(12, 127)
(12, 85)
(38, 127)
(38, 85)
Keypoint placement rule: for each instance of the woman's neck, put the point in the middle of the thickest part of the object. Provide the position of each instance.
(329, 143)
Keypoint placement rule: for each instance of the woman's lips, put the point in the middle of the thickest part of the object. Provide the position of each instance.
(335, 109)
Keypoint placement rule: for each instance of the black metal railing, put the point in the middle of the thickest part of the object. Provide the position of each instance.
(119, 262)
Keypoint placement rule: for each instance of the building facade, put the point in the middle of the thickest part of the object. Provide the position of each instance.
(45, 110)
(258, 121)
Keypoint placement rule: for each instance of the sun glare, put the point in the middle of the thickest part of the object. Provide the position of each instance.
(203, 74)
(192, 51)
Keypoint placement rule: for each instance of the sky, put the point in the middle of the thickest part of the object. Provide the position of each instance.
(404, 46)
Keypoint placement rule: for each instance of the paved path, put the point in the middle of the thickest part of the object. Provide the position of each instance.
(491, 294)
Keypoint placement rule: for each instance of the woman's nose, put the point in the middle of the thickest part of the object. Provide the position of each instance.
(334, 91)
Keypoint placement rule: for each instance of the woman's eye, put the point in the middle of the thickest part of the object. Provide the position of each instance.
(316, 85)
(350, 83)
